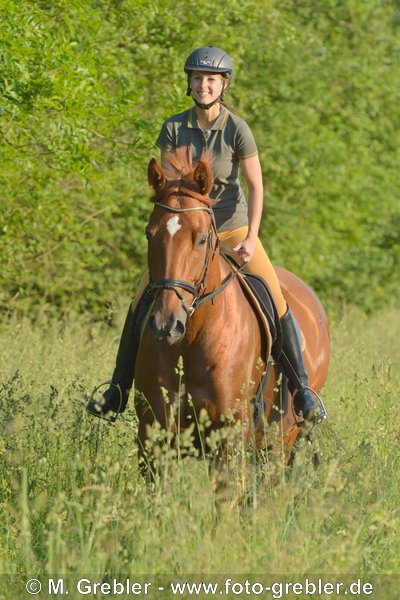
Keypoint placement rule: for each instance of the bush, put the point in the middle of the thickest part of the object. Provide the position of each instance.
(86, 85)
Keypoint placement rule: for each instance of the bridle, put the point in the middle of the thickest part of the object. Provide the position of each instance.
(196, 289)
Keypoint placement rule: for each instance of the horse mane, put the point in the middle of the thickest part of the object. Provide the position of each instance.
(179, 168)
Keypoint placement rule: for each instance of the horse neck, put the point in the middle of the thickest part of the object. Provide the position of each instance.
(205, 316)
(214, 275)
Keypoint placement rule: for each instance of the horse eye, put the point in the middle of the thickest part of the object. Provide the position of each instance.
(202, 240)
(148, 235)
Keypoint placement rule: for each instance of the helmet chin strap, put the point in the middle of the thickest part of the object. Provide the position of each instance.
(207, 106)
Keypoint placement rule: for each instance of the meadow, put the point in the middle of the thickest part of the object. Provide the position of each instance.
(72, 499)
(85, 86)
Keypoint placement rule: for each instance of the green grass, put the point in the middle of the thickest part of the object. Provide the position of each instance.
(72, 501)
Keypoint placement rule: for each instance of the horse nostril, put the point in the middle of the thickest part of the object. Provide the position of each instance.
(180, 327)
(170, 329)
(152, 324)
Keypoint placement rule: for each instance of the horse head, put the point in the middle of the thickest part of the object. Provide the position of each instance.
(182, 240)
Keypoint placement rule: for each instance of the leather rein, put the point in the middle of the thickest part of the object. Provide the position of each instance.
(196, 289)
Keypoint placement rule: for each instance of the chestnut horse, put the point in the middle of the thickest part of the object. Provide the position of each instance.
(201, 317)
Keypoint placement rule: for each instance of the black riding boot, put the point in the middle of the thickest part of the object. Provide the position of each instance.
(115, 398)
(295, 370)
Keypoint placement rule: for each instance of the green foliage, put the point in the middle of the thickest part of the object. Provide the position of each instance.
(332, 147)
(86, 84)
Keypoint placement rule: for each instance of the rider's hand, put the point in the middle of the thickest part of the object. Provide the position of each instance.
(246, 249)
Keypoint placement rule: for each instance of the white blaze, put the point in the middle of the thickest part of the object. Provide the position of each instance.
(173, 225)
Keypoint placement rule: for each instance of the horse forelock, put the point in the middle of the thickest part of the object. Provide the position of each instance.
(179, 194)
(179, 171)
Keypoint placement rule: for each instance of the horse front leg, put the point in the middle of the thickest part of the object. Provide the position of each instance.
(158, 433)
(229, 465)
(149, 424)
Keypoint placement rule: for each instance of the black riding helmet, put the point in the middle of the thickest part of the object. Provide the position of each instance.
(213, 60)
(209, 58)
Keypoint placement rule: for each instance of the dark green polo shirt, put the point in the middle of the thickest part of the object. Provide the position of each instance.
(228, 140)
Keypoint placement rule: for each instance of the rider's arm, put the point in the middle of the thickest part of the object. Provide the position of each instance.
(253, 175)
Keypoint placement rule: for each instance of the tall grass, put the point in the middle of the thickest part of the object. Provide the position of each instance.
(72, 499)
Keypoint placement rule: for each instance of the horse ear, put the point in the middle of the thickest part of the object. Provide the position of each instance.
(157, 179)
(202, 177)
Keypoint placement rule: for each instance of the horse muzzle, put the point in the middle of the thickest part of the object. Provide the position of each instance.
(170, 330)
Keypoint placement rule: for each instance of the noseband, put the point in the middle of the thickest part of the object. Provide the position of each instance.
(198, 288)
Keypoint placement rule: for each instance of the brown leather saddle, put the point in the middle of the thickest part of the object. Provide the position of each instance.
(259, 295)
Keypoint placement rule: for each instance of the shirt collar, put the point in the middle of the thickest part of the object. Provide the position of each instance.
(218, 124)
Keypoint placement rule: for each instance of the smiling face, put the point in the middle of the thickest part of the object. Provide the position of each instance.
(206, 87)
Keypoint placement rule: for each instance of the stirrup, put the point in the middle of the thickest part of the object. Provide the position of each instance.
(95, 407)
(318, 417)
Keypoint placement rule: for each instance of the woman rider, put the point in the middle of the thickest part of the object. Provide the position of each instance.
(210, 126)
